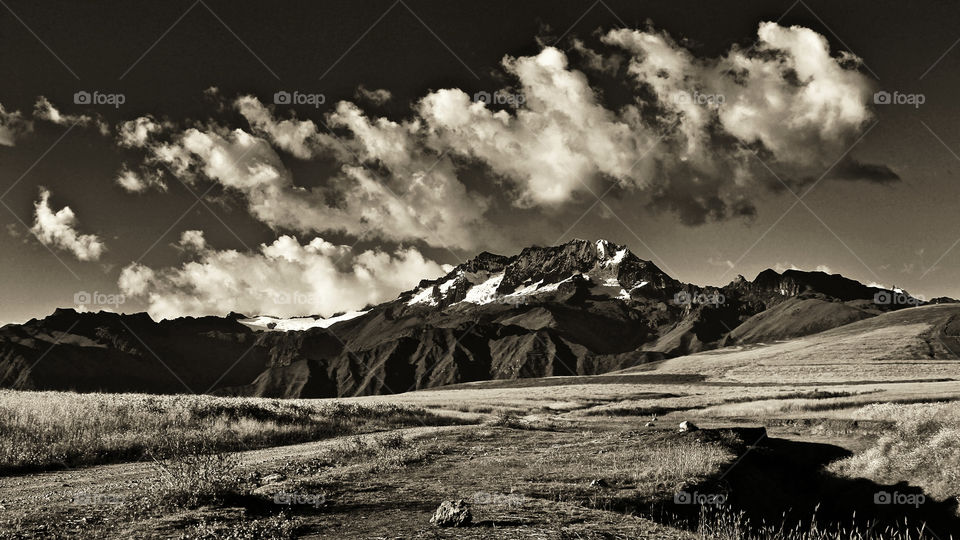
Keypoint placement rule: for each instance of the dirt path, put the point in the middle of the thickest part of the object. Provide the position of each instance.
(116, 482)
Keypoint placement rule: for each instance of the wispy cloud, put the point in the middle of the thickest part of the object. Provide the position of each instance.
(57, 230)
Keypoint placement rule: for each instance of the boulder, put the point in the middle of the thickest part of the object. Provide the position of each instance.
(452, 514)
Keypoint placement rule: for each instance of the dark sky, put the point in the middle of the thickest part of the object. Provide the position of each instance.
(163, 55)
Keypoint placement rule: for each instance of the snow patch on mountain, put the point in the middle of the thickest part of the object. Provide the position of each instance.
(295, 324)
(485, 291)
(424, 297)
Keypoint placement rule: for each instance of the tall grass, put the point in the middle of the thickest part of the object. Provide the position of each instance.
(923, 448)
(727, 524)
(667, 462)
(41, 430)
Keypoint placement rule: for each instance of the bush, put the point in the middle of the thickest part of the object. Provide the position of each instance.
(190, 475)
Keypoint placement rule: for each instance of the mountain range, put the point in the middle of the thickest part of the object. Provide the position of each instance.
(579, 308)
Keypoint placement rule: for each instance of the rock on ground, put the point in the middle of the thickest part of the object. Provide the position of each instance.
(452, 514)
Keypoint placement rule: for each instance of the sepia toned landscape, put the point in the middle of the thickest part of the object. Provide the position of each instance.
(414, 269)
(815, 436)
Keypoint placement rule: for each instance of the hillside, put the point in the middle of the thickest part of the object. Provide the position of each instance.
(795, 317)
(911, 344)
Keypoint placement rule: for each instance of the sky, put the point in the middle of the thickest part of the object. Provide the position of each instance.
(190, 158)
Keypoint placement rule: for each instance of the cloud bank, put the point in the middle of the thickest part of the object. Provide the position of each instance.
(702, 138)
(284, 278)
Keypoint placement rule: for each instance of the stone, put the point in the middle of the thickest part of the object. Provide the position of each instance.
(452, 514)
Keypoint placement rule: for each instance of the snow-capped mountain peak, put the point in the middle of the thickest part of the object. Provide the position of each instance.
(601, 267)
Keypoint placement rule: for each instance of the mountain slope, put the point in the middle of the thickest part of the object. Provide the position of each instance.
(579, 308)
(908, 344)
(795, 317)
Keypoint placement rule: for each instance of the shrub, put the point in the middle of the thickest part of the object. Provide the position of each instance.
(190, 475)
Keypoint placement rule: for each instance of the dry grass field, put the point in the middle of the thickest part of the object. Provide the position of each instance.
(44, 430)
(869, 450)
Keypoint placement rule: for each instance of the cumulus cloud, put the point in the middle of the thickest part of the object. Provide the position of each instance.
(388, 186)
(135, 133)
(702, 138)
(139, 182)
(377, 97)
(44, 110)
(192, 240)
(12, 126)
(284, 278)
(300, 138)
(57, 229)
(785, 99)
(555, 144)
(595, 61)
(693, 140)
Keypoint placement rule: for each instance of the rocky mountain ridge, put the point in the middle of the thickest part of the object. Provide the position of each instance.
(579, 308)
